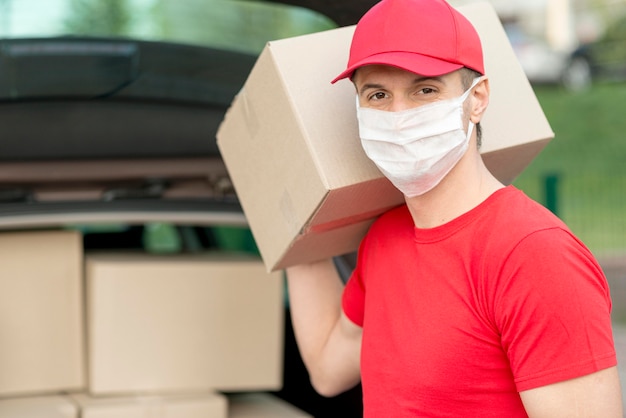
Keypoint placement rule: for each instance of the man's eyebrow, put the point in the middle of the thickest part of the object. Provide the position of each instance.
(438, 79)
(369, 86)
(416, 80)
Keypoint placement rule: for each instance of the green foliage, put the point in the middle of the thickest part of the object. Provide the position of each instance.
(234, 24)
(98, 17)
(588, 154)
(161, 238)
(230, 24)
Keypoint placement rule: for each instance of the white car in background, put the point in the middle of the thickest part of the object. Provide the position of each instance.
(546, 65)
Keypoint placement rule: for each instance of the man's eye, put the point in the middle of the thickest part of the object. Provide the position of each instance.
(378, 96)
(427, 90)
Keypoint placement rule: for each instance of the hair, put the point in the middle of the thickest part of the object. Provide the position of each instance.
(467, 78)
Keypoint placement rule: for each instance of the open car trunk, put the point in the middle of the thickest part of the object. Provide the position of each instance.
(101, 129)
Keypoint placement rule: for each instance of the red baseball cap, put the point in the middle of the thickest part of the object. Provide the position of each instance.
(426, 37)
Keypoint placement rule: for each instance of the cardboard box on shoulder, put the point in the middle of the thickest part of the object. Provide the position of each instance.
(290, 142)
(53, 406)
(177, 323)
(41, 306)
(201, 405)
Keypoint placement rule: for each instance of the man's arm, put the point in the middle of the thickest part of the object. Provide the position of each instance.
(329, 343)
(594, 395)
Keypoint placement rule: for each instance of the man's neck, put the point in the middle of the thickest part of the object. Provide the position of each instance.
(465, 187)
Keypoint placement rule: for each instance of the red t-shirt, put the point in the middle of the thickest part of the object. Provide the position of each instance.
(459, 318)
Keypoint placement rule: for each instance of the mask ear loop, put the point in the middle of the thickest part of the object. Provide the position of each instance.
(465, 95)
(470, 125)
(470, 128)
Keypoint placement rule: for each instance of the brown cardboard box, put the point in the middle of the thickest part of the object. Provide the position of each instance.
(41, 326)
(262, 405)
(290, 142)
(205, 405)
(180, 323)
(38, 407)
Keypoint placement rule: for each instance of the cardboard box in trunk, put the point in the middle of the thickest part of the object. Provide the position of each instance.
(161, 324)
(290, 142)
(41, 311)
(205, 405)
(38, 407)
(262, 405)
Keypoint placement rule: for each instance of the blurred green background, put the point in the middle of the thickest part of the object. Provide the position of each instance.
(585, 163)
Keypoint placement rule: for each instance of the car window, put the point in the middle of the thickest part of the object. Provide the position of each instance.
(230, 24)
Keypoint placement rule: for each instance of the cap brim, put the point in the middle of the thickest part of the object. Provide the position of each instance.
(419, 64)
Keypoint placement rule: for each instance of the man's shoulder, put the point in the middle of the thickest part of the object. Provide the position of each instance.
(516, 210)
(399, 216)
(516, 218)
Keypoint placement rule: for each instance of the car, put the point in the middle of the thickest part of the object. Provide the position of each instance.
(605, 57)
(540, 62)
(111, 132)
(544, 64)
(123, 125)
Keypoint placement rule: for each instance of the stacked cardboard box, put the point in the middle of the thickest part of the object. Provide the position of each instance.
(165, 325)
(182, 323)
(127, 334)
(261, 405)
(200, 405)
(49, 406)
(206, 405)
(41, 313)
(41, 323)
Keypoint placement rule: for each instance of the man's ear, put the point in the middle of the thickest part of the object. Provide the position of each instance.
(480, 99)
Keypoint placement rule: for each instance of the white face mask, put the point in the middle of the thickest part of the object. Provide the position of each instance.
(416, 148)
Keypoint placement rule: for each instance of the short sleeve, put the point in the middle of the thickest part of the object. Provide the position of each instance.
(353, 299)
(553, 310)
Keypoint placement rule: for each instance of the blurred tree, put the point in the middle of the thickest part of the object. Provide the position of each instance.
(234, 24)
(98, 17)
(606, 10)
